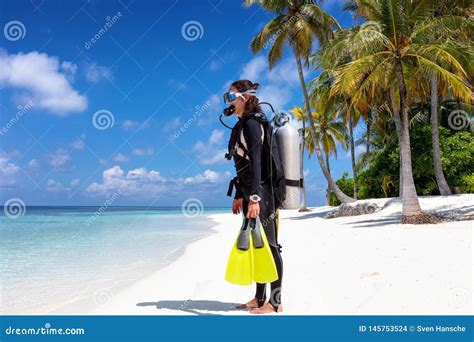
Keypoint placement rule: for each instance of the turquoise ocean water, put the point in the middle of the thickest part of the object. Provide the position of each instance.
(54, 256)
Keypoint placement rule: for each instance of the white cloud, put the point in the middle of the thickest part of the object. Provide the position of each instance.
(177, 85)
(55, 186)
(148, 184)
(95, 73)
(214, 106)
(69, 69)
(284, 72)
(128, 125)
(254, 69)
(277, 85)
(8, 173)
(207, 176)
(7, 168)
(59, 158)
(216, 137)
(215, 64)
(79, 144)
(148, 151)
(276, 95)
(172, 124)
(121, 158)
(33, 163)
(75, 183)
(143, 174)
(38, 78)
(211, 152)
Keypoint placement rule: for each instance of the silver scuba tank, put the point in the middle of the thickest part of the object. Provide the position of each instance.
(288, 146)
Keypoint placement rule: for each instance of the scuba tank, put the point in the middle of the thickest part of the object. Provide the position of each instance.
(288, 138)
(286, 159)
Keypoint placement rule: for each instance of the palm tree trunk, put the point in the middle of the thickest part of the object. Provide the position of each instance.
(339, 194)
(438, 169)
(398, 127)
(410, 204)
(303, 207)
(368, 124)
(328, 190)
(351, 138)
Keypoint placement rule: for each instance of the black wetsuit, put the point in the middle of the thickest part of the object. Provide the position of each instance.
(252, 181)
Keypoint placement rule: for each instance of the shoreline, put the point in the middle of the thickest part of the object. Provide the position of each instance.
(367, 264)
(76, 306)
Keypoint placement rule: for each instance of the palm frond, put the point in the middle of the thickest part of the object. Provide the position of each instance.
(457, 84)
(272, 29)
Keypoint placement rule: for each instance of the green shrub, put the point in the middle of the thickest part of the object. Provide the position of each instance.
(381, 178)
(467, 183)
(346, 184)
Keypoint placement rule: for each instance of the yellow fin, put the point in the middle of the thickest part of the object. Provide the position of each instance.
(240, 266)
(264, 268)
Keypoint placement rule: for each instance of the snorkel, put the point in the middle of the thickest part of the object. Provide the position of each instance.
(230, 97)
(231, 109)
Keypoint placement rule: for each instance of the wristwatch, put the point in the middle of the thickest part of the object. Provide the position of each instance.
(255, 198)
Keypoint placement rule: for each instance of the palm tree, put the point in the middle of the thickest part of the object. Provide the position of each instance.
(368, 118)
(378, 134)
(330, 130)
(448, 10)
(351, 118)
(298, 23)
(387, 52)
(349, 113)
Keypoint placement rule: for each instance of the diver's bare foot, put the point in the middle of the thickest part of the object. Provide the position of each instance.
(266, 309)
(252, 304)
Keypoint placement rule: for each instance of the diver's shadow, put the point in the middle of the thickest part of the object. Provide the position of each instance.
(193, 306)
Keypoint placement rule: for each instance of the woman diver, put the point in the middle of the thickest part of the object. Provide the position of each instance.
(254, 193)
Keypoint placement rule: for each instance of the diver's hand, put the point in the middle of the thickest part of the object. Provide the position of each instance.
(254, 210)
(237, 206)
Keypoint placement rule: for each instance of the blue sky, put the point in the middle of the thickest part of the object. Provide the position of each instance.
(135, 64)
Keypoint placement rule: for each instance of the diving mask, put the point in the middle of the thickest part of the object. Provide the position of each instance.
(231, 96)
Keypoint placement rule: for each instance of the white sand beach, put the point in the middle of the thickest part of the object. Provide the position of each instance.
(368, 264)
